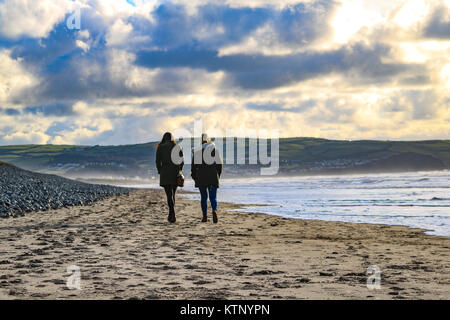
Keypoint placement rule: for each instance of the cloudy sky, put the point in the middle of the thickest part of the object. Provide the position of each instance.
(349, 69)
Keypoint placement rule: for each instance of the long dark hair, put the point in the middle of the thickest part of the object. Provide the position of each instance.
(166, 138)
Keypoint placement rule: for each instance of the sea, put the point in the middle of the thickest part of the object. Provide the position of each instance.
(413, 199)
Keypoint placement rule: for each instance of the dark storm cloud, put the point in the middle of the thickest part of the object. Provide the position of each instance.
(438, 25)
(73, 84)
(303, 23)
(9, 111)
(415, 80)
(173, 27)
(49, 53)
(70, 79)
(50, 110)
(279, 107)
(266, 72)
(54, 110)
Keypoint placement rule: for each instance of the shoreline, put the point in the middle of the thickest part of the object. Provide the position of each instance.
(132, 181)
(126, 249)
(357, 223)
(243, 206)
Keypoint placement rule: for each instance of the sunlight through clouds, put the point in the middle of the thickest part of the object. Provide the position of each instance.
(323, 68)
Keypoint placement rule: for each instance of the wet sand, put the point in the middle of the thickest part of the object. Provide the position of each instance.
(125, 248)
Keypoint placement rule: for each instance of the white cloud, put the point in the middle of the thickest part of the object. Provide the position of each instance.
(23, 130)
(30, 17)
(113, 8)
(411, 12)
(13, 76)
(83, 45)
(119, 33)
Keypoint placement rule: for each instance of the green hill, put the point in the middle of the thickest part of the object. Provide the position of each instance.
(297, 156)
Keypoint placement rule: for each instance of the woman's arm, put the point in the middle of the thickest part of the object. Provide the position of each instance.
(182, 157)
(219, 164)
(193, 168)
(158, 160)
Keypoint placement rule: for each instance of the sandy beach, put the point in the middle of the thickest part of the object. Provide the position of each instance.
(126, 249)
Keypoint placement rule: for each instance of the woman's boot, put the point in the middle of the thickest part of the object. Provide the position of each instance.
(172, 217)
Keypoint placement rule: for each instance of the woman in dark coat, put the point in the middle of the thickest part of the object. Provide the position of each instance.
(169, 166)
(206, 169)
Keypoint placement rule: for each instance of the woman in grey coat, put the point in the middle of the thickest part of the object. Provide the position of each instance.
(169, 164)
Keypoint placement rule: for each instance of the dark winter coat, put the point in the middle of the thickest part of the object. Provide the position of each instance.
(204, 174)
(168, 171)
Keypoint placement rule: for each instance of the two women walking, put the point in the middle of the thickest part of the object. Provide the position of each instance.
(206, 169)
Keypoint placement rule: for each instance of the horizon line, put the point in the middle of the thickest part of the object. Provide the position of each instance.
(213, 138)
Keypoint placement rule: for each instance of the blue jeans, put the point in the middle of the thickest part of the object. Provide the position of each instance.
(204, 191)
